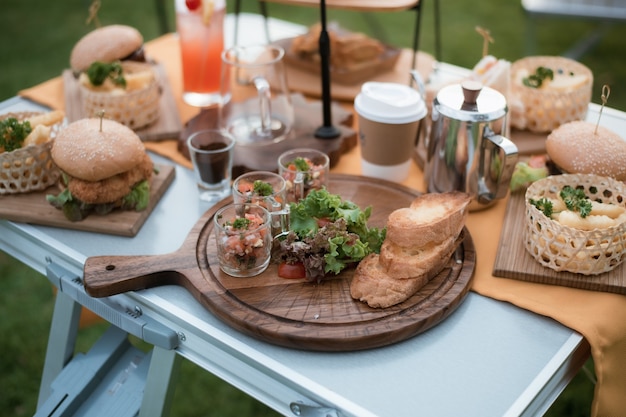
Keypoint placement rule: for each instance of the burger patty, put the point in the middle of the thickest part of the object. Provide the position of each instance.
(110, 190)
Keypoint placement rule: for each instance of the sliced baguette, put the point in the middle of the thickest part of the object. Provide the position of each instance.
(401, 263)
(432, 217)
(373, 285)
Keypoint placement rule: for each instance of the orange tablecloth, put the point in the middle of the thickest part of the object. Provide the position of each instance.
(599, 317)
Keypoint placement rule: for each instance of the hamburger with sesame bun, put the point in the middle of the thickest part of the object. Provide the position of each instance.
(104, 167)
(107, 44)
(578, 148)
(113, 74)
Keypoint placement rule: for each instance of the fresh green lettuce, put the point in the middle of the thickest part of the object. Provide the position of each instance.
(328, 234)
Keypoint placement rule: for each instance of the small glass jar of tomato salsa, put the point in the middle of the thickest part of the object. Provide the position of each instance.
(268, 190)
(303, 169)
(243, 237)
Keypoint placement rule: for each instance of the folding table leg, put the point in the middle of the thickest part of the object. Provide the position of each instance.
(160, 383)
(61, 342)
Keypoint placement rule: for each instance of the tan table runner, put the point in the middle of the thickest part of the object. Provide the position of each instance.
(599, 317)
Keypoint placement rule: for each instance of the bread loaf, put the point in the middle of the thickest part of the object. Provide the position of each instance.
(420, 241)
(432, 217)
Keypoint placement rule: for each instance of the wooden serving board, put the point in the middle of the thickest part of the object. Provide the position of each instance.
(529, 143)
(309, 83)
(33, 208)
(264, 158)
(385, 62)
(289, 312)
(167, 126)
(513, 261)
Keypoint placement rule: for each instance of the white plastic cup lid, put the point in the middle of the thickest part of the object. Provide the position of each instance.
(389, 103)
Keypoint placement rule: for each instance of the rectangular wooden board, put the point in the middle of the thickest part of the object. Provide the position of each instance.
(513, 261)
(360, 73)
(33, 208)
(167, 126)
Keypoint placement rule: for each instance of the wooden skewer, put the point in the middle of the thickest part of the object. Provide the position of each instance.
(606, 91)
(487, 39)
(94, 8)
(100, 114)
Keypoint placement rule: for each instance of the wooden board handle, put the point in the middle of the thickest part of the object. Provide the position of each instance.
(109, 275)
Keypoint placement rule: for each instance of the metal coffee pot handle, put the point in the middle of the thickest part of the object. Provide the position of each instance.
(499, 156)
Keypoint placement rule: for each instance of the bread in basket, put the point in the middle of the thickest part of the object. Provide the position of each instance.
(540, 104)
(562, 247)
(29, 168)
(135, 106)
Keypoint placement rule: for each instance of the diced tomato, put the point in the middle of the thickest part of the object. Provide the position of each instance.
(245, 186)
(193, 4)
(291, 271)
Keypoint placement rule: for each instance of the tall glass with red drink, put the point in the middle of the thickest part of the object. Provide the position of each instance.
(200, 27)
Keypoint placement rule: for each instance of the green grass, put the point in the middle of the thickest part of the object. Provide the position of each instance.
(37, 37)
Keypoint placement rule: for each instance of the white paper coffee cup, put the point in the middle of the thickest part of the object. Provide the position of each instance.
(389, 115)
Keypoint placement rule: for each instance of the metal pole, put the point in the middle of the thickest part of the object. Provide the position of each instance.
(327, 130)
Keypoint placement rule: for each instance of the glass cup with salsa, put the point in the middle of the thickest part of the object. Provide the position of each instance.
(304, 170)
(243, 237)
(266, 189)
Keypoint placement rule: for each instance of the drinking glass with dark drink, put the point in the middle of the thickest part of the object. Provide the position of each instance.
(211, 153)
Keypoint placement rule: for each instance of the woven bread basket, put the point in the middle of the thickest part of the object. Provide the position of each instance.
(564, 248)
(30, 168)
(136, 109)
(543, 110)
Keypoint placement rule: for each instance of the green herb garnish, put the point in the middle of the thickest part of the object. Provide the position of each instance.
(12, 133)
(98, 72)
(241, 223)
(576, 200)
(301, 164)
(262, 188)
(544, 205)
(536, 80)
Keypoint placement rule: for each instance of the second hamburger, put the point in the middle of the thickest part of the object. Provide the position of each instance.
(104, 167)
(579, 147)
(107, 44)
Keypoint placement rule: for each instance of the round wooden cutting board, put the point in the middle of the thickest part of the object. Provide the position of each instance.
(295, 313)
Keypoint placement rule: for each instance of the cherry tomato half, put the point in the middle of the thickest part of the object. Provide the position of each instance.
(193, 4)
(291, 271)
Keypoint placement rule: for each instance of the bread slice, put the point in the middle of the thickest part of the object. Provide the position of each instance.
(373, 285)
(432, 217)
(401, 262)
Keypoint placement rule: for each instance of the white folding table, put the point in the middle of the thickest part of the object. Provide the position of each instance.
(489, 358)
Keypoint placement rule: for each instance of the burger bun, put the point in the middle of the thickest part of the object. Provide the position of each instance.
(105, 44)
(577, 148)
(95, 149)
